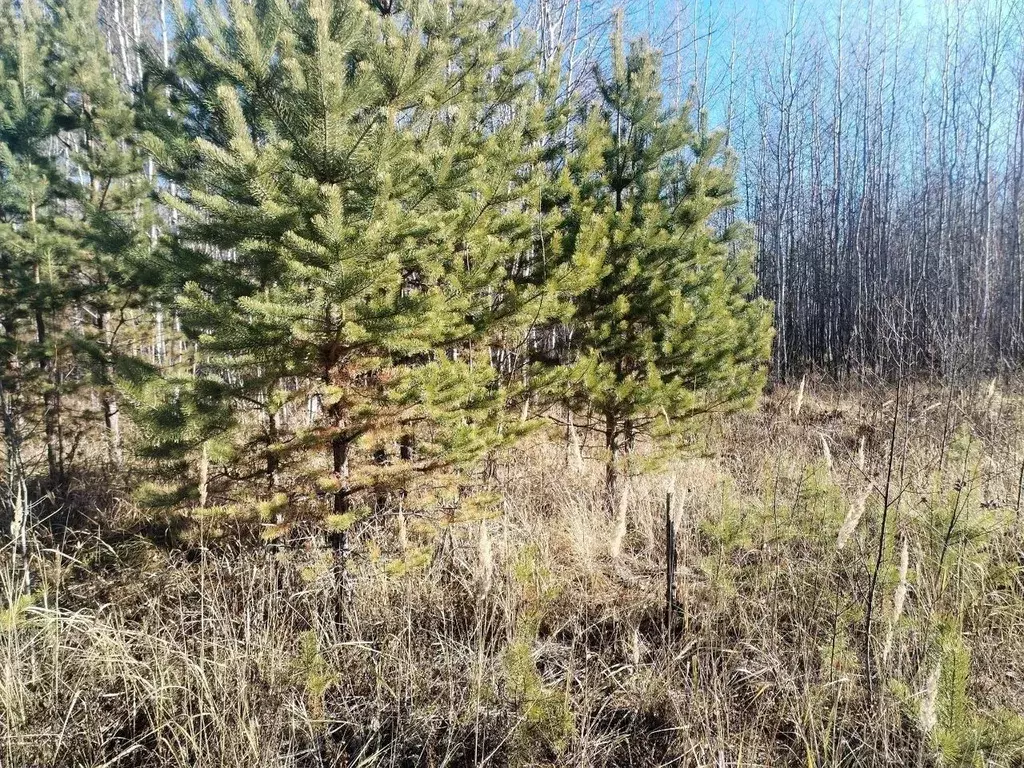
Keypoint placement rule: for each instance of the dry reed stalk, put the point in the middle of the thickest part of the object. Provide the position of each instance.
(619, 534)
(993, 402)
(800, 398)
(826, 451)
(899, 599)
(678, 503)
(576, 451)
(403, 531)
(930, 697)
(853, 518)
(861, 458)
(636, 648)
(485, 562)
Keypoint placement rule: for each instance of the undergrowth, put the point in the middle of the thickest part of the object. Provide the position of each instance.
(849, 593)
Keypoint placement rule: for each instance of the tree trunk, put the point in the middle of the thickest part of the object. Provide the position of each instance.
(273, 462)
(111, 410)
(50, 405)
(204, 475)
(611, 469)
(338, 539)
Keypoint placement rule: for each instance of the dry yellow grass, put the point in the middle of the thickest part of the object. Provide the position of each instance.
(529, 639)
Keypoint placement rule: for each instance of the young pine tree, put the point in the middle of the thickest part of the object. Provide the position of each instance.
(105, 209)
(359, 188)
(73, 204)
(669, 331)
(33, 255)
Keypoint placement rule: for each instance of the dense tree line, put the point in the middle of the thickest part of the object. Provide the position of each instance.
(881, 148)
(331, 256)
(884, 166)
(880, 158)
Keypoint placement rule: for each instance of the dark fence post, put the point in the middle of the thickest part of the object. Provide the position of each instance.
(670, 566)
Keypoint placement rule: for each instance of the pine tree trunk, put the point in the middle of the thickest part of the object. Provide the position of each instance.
(16, 486)
(576, 451)
(405, 447)
(111, 410)
(272, 466)
(158, 338)
(50, 405)
(204, 475)
(179, 343)
(611, 470)
(112, 423)
(273, 462)
(9, 384)
(338, 540)
(339, 453)
(49, 392)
